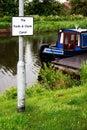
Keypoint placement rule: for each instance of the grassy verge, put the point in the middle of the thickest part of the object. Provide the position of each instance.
(56, 25)
(64, 109)
(50, 23)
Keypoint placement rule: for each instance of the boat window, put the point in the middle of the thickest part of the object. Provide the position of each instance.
(78, 39)
(72, 41)
(61, 38)
(72, 38)
(75, 39)
(66, 39)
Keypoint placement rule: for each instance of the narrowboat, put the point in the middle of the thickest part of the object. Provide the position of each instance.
(70, 42)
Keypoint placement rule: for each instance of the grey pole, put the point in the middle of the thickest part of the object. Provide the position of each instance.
(21, 77)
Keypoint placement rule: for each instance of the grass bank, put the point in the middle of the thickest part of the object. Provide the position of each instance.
(64, 109)
(50, 23)
(46, 26)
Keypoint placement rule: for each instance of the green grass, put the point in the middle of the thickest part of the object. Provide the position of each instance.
(46, 26)
(56, 25)
(50, 23)
(64, 109)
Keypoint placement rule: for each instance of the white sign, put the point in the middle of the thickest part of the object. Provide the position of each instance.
(22, 26)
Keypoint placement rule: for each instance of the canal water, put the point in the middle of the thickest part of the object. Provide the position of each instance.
(9, 58)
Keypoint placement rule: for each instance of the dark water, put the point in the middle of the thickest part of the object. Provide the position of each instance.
(9, 58)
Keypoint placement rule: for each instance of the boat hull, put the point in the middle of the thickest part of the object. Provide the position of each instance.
(48, 54)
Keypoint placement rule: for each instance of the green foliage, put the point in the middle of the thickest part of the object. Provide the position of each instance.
(6, 19)
(64, 109)
(42, 26)
(51, 7)
(9, 7)
(54, 23)
(46, 8)
(5, 25)
(58, 18)
(10, 93)
(36, 89)
(83, 73)
(50, 23)
(76, 101)
(54, 79)
(79, 7)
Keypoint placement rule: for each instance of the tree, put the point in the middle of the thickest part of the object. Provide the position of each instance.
(79, 7)
(34, 8)
(9, 7)
(47, 7)
(56, 8)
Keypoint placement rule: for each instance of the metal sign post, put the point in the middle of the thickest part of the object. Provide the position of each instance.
(21, 80)
(21, 26)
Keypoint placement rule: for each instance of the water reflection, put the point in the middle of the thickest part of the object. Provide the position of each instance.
(9, 58)
(8, 55)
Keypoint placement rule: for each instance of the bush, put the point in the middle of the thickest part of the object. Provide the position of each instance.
(55, 79)
(5, 25)
(43, 8)
(5, 22)
(6, 19)
(10, 93)
(83, 73)
(59, 18)
(9, 7)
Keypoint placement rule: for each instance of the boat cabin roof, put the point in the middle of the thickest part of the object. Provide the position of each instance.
(79, 30)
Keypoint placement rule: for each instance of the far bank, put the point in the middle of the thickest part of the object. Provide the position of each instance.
(47, 23)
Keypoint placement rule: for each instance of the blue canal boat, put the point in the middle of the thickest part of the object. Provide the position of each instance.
(70, 42)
